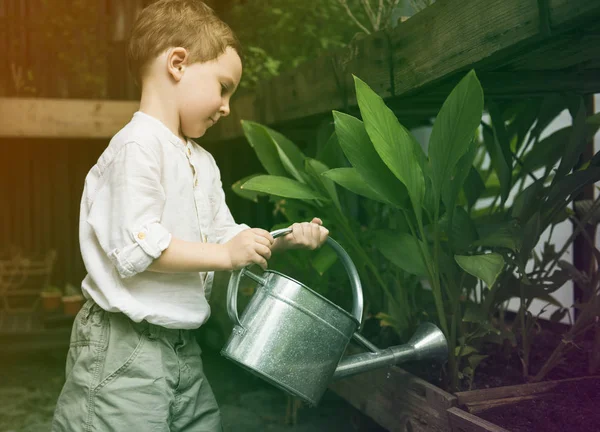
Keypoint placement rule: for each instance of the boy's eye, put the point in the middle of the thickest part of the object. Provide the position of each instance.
(224, 88)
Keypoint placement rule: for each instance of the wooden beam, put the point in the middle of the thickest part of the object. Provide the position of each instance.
(448, 38)
(435, 46)
(63, 118)
(411, 66)
(569, 13)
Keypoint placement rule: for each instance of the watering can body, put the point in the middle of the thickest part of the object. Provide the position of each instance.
(291, 336)
(294, 338)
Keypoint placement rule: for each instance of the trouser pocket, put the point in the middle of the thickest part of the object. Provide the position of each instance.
(124, 342)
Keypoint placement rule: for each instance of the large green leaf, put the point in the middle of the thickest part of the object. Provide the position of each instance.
(396, 146)
(563, 193)
(545, 153)
(532, 230)
(551, 106)
(473, 186)
(454, 128)
(281, 186)
(548, 151)
(350, 179)
(247, 194)
(577, 144)
(504, 235)
(486, 267)
(500, 132)
(331, 153)
(498, 160)
(291, 156)
(523, 118)
(453, 186)
(501, 149)
(316, 168)
(402, 249)
(538, 289)
(462, 232)
(529, 201)
(265, 148)
(357, 146)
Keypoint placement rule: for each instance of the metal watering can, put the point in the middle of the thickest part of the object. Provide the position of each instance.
(294, 338)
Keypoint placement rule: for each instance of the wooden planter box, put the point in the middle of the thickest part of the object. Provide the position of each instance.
(398, 400)
(477, 402)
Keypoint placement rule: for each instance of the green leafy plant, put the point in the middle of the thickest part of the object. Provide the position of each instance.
(589, 306)
(298, 187)
(518, 155)
(473, 259)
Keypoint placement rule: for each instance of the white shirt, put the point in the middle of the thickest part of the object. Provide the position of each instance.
(147, 187)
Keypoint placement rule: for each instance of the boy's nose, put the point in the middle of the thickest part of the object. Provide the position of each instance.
(225, 110)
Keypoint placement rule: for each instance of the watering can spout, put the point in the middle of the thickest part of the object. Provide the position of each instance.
(428, 342)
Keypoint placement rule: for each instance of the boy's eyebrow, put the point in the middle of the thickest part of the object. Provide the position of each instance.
(230, 83)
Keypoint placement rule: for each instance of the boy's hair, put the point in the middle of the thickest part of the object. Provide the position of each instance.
(190, 24)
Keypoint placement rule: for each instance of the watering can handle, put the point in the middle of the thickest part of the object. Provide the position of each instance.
(236, 276)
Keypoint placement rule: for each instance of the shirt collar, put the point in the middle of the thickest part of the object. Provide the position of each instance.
(159, 128)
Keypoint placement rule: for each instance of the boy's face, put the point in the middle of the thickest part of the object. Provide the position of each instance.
(205, 90)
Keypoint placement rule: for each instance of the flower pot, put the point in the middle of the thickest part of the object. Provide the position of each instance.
(51, 301)
(72, 304)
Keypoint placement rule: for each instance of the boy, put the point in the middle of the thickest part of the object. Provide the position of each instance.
(153, 227)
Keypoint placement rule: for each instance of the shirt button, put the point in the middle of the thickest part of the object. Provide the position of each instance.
(189, 152)
(141, 236)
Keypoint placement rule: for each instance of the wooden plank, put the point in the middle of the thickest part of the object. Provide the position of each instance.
(63, 118)
(397, 400)
(462, 421)
(579, 49)
(513, 85)
(521, 390)
(569, 13)
(434, 46)
(447, 38)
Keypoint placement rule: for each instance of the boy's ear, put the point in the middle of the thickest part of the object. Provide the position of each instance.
(176, 62)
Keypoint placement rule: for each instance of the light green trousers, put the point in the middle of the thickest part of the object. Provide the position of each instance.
(130, 377)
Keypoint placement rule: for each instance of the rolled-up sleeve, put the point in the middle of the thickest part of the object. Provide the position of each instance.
(224, 226)
(126, 211)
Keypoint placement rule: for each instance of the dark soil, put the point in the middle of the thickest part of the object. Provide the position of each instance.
(570, 407)
(504, 367)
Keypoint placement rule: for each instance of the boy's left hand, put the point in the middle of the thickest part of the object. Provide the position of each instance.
(307, 235)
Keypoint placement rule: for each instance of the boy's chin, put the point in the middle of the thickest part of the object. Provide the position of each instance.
(197, 133)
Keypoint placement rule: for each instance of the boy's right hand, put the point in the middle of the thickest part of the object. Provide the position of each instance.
(251, 246)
